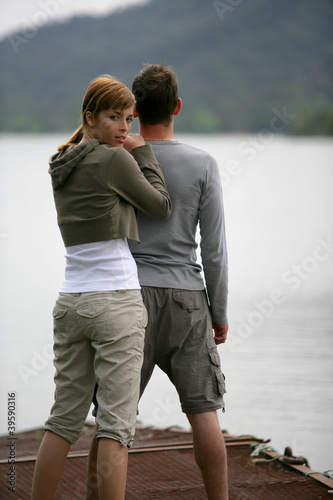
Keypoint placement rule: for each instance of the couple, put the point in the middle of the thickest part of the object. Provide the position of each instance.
(100, 320)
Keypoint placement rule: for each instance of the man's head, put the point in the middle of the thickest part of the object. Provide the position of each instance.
(156, 93)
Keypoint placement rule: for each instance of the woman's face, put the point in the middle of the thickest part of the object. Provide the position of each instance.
(111, 126)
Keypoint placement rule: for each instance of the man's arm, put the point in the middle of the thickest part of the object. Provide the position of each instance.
(213, 245)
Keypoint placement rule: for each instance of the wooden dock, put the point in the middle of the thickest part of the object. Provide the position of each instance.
(161, 466)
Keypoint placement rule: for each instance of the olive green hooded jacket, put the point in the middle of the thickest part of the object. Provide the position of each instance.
(98, 189)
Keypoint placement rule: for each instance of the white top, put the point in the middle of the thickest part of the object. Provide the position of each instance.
(99, 267)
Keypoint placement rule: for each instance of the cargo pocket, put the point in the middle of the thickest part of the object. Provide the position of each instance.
(59, 312)
(220, 379)
(93, 310)
(188, 300)
(61, 327)
(212, 351)
(216, 362)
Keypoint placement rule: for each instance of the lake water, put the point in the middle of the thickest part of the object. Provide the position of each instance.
(278, 358)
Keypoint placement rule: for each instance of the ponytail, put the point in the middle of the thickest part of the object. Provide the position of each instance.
(75, 139)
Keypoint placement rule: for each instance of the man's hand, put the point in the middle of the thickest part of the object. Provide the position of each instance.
(220, 332)
(133, 141)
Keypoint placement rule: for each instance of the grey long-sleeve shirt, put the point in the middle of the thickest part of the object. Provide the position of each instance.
(167, 254)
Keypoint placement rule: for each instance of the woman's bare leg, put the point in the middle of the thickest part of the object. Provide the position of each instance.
(50, 463)
(92, 476)
(112, 458)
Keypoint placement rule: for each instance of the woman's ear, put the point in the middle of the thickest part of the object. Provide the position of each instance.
(89, 118)
(135, 113)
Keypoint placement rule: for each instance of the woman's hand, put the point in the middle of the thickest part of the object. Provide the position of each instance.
(133, 141)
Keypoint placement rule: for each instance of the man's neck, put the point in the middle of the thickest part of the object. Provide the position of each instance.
(156, 132)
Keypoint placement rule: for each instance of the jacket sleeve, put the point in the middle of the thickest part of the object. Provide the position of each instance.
(137, 177)
(213, 242)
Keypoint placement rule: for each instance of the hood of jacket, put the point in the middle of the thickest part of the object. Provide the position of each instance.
(62, 164)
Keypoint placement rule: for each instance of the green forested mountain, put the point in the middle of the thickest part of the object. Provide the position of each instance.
(240, 63)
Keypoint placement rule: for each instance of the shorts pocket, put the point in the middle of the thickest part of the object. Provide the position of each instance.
(216, 362)
(62, 326)
(93, 310)
(212, 351)
(188, 300)
(59, 312)
(220, 379)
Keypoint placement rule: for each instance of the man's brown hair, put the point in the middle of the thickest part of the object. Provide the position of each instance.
(156, 92)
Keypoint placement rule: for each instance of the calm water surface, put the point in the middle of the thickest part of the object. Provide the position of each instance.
(278, 358)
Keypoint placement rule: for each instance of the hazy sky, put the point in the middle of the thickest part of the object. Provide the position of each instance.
(19, 14)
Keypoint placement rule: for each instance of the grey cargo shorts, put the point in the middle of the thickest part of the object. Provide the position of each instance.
(179, 339)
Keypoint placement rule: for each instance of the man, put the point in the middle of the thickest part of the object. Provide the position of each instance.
(179, 336)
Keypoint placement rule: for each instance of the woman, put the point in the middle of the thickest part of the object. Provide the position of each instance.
(99, 317)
